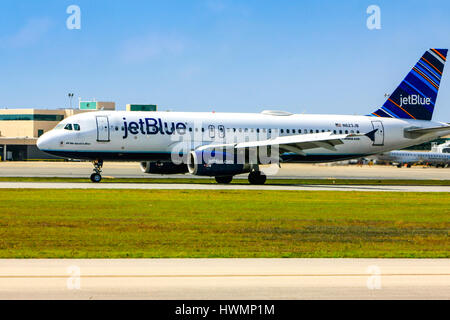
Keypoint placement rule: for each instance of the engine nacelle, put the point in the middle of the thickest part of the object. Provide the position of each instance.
(163, 167)
(211, 163)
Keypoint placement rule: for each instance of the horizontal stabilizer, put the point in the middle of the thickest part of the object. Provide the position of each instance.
(413, 133)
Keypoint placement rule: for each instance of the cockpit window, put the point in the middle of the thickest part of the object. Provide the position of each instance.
(68, 126)
(76, 127)
(60, 126)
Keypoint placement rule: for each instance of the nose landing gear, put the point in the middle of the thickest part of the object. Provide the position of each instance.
(96, 176)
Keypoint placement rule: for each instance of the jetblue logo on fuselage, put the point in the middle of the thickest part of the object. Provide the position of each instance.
(152, 126)
(414, 100)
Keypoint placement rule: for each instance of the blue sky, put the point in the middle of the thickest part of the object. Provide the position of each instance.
(222, 55)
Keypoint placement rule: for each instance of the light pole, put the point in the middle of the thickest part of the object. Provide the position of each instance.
(70, 95)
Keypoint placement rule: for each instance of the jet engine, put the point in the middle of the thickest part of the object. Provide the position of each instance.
(211, 163)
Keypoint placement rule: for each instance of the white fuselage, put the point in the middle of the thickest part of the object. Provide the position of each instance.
(146, 136)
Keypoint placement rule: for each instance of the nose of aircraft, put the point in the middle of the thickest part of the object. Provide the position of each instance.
(43, 142)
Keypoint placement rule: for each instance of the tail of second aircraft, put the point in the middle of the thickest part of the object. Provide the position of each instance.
(416, 96)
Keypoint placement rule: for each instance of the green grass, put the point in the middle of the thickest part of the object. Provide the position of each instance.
(238, 181)
(58, 223)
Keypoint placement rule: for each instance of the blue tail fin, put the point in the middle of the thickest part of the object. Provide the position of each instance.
(416, 96)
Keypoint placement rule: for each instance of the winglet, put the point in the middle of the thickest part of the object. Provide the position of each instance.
(371, 135)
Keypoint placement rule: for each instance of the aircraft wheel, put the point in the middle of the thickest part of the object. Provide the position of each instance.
(95, 177)
(399, 166)
(224, 179)
(408, 166)
(256, 177)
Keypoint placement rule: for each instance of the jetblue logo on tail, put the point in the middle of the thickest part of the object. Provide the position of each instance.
(413, 100)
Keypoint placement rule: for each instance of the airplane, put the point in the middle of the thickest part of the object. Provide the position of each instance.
(223, 145)
(400, 158)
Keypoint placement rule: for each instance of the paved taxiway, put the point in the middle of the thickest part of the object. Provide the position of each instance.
(193, 186)
(225, 279)
(306, 171)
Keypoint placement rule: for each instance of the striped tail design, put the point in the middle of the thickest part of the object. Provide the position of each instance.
(415, 97)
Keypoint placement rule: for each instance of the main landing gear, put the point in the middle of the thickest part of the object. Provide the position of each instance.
(224, 179)
(256, 177)
(96, 176)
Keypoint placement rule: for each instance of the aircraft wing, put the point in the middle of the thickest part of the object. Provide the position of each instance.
(293, 143)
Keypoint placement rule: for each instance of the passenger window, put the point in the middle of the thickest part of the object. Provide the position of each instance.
(287, 131)
(68, 126)
(76, 127)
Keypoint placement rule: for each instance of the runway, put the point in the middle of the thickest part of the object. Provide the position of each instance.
(225, 279)
(299, 171)
(193, 186)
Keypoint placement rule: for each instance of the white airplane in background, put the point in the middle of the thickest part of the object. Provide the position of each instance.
(400, 158)
(220, 144)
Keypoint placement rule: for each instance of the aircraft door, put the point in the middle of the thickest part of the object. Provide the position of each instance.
(102, 129)
(379, 134)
